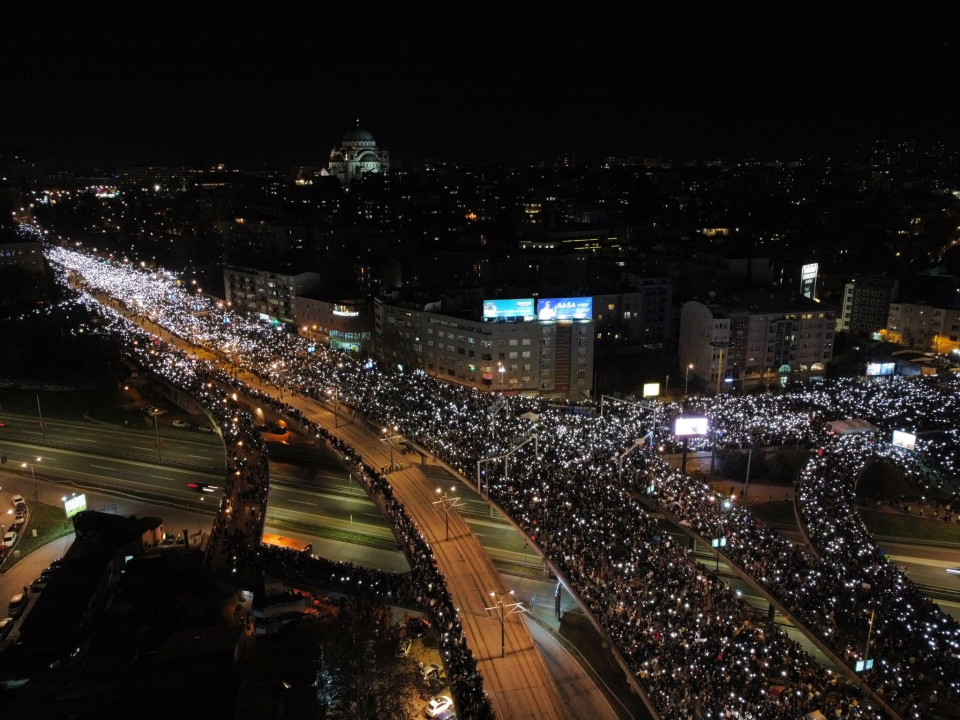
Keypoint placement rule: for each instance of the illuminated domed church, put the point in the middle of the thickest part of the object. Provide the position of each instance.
(358, 154)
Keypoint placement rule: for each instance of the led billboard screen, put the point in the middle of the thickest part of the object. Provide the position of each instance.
(905, 440)
(651, 389)
(691, 426)
(521, 309)
(580, 308)
(880, 368)
(75, 504)
(808, 280)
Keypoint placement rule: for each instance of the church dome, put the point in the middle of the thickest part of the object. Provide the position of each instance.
(357, 134)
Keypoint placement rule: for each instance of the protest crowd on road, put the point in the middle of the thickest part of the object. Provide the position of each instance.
(696, 648)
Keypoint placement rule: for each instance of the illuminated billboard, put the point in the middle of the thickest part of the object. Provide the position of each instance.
(808, 280)
(905, 440)
(880, 368)
(522, 309)
(691, 426)
(651, 389)
(75, 504)
(580, 308)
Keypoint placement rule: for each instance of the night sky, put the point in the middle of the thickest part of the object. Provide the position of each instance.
(115, 84)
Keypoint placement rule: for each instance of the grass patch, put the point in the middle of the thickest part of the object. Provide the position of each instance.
(49, 521)
(887, 524)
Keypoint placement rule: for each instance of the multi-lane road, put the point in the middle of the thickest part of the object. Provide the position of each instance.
(311, 497)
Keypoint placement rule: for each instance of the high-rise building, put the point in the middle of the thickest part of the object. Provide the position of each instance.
(866, 302)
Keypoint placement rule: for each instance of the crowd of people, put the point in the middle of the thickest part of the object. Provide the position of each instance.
(694, 646)
(234, 548)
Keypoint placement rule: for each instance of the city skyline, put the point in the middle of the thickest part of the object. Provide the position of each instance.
(258, 86)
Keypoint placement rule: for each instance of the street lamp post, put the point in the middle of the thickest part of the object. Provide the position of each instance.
(503, 610)
(156, 427)
(390, 438)
(446, 504)
(33, 474)
(43, 431)
(720, 345)
(686, 380)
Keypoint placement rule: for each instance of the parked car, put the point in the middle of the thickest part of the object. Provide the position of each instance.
(18, 603)
(204, 428)
(40, 583)
(416, 626)
(438, 706)
(430, 672)
(10, 539)
(17, 500)
(6, 625)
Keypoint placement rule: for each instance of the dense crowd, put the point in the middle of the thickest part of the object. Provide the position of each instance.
(672, 620)
(234, 546)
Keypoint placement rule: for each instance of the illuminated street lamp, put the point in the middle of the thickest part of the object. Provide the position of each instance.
(686, 380)
(388, 438)
(504, 610)
(447, 504)
(33, 474)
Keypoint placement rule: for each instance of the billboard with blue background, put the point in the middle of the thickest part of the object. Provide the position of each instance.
(521, 309)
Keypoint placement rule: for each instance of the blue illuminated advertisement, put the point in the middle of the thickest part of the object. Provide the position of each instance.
(522, 309)
(580, 308)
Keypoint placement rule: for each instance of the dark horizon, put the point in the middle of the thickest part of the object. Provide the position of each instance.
(119, 85)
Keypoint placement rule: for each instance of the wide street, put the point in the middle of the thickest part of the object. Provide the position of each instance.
(309, 492)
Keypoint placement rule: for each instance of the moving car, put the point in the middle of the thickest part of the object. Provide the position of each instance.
(202, 488)
(438, 706)
(180, 424)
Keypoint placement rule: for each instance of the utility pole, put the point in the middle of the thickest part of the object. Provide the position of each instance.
(503, 611)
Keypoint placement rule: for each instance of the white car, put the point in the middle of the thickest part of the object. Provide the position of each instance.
(9, 539)
(438, 705)
(17, 500)
(180, 424)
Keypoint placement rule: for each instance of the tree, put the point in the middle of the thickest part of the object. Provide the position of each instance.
(369, 679)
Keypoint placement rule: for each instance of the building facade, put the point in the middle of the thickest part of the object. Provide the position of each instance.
(866, 302)
(924, 327)
(640, 317)
(357, 155)
(340, 324)
(269, 294)
(550, 358)
(753, 341)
